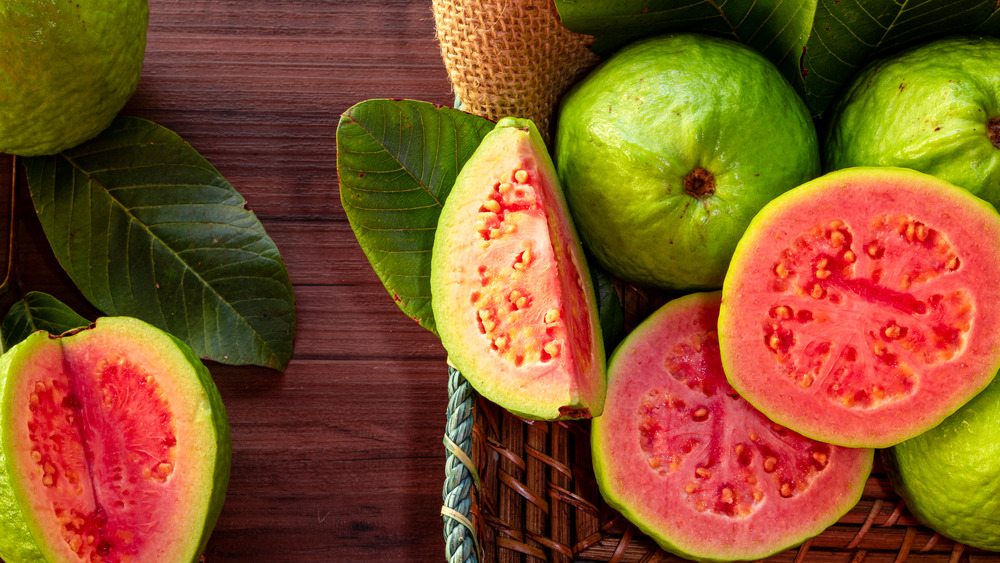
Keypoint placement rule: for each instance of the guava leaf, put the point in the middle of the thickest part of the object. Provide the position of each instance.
(817, 44)
(396, 162)
(609, 308)
(147, 228)
(847, 34)
(37, 311)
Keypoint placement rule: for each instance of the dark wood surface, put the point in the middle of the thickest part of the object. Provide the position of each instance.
(339, 458)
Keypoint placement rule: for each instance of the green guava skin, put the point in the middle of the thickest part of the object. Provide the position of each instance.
(19, 529)
(927, 108)
(949, 476)
(631, 131)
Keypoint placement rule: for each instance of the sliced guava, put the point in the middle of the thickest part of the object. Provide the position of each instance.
(114, 447)
(512, 296)
(861, 307)
(693, 465)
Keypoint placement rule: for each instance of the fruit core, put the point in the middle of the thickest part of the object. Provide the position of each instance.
(103, 444)
(886, 266)
(993, 131)
(699, 183)
(732, 458)
(518, 299)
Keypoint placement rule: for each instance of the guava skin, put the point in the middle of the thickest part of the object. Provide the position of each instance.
(669, 148)
(949, 476)
(934, 108)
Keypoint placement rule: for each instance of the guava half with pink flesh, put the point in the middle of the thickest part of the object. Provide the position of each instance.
(512, 296)
(693, 465)
(114, 447)
(861, 308)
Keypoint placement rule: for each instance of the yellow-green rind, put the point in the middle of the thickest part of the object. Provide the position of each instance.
(66, 70)
(949, 476)
(16, 542)
(631, 130)
(453, 332)
(927, 109)
(24, 543)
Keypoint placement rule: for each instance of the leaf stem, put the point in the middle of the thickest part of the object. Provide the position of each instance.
(11, 281)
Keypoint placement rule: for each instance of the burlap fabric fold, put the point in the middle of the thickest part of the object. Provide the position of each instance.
(510, 58)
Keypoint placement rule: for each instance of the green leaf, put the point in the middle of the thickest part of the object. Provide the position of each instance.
(37, 311)
(147, 228)
(817, 44)
(397, 161)
(847, 34)
(609, 308)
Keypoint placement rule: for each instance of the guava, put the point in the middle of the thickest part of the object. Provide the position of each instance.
(933, 108)
(949, 476)
(511, 292)
(693, 465)
(668, 149)
(861, 307)
(114, 447)
(66, 70)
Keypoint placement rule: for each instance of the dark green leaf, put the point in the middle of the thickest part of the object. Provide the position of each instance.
(397, 161)
(817, 44)
(37, 311)
(147, 228)
(609, 308)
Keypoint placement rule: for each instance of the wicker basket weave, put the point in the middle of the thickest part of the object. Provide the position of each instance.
(518, 490)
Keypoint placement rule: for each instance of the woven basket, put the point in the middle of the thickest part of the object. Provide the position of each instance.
(518, 490)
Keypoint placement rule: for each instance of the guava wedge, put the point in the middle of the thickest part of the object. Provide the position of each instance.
(861, 307)
(114, 447)
(933, 108)
(511, 293)
(693, 465)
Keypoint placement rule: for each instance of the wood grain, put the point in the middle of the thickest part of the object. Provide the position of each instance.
(339, 458)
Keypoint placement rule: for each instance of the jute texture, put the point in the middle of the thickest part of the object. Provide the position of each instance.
(509, 57)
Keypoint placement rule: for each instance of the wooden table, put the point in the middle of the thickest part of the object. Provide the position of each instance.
(339, 458)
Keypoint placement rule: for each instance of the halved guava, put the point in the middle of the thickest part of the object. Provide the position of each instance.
(114, 447)
(511, 292)
(689, 462)
(861, 307)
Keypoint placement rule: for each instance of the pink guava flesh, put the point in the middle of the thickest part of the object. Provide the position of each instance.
(103, 441)
(694, 465)
(858, 308)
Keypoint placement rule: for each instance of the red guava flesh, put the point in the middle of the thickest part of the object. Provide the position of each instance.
(111, 455)
(512, 297)
(861, 307)
(689, 462)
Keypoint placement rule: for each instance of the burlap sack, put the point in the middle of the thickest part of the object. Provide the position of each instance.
(510, 57)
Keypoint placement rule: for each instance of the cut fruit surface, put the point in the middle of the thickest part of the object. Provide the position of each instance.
(115, 446)
(512, 297)
(694, 465)
(860, 308)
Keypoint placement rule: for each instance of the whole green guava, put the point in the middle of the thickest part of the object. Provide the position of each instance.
(949, 476)
(66, 70)
(934, 108)
(670, 147)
